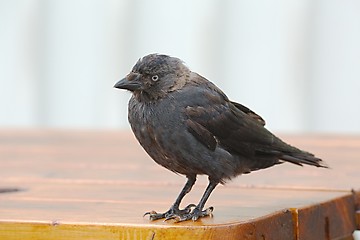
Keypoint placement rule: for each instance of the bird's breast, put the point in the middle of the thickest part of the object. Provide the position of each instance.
(155, 126)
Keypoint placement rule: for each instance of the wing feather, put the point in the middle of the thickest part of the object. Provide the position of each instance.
(216, 121)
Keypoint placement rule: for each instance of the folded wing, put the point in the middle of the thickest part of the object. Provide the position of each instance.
(219, 122)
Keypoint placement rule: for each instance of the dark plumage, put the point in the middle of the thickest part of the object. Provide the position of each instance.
(189, 126)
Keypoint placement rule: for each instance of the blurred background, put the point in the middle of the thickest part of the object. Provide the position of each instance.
(296, 63)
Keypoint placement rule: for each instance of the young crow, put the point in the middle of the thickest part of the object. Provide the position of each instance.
(189, 126)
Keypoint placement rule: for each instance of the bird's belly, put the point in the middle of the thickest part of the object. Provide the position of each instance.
(177, 150)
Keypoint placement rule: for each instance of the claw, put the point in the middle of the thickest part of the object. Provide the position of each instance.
(154, 215)
(149, 213)
(181, 215)
(196, 214)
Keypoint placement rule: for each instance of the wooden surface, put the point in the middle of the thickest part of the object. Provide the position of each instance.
(97, 185)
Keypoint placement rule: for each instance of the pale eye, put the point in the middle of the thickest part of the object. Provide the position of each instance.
(155, 78)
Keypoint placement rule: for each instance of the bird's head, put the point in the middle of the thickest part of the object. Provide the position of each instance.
(154, 76)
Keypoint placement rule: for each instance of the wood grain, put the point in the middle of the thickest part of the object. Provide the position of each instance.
(73, 184)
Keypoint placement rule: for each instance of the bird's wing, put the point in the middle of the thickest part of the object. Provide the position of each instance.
(219, 121)
(215, 121)
(249, 112)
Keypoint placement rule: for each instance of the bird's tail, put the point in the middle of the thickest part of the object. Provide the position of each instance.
(301, 157)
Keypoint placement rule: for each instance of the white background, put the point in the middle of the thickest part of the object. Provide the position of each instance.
(296, 63)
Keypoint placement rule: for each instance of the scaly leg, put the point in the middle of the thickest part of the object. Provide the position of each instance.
(174, 210)
(198, 211)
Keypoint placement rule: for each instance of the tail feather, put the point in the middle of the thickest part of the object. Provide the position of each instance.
(303, 158)
(297, 156)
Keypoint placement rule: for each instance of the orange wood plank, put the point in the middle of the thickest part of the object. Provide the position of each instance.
(327, 220)
(76, 183)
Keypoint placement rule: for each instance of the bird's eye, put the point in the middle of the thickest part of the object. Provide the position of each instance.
(155, 78)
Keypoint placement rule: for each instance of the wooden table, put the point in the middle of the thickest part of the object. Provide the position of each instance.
(58, 184)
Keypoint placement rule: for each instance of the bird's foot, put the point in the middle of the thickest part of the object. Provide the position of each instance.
(193, 215)
(172, 213)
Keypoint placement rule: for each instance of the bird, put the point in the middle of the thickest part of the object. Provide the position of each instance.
(188, 125)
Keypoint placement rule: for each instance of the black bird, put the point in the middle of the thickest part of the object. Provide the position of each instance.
(189, 126)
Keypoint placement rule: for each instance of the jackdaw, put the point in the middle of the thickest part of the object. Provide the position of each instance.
(189, 126)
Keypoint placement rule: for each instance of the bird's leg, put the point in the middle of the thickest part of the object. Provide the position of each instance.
(198, 211)
(174, 210)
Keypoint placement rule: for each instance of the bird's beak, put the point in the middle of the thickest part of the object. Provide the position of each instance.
(130, 82)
